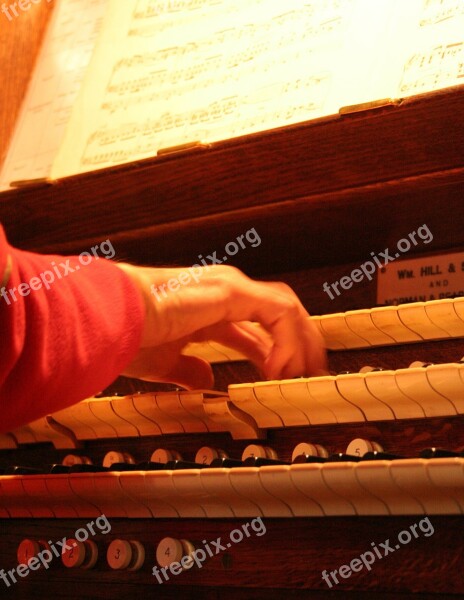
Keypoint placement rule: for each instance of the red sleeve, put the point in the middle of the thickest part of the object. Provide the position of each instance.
(68, 325)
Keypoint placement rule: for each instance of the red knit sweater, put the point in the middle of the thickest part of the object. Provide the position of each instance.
(62, 344)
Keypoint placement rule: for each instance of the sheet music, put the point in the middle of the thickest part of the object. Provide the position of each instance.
(435, 56)
(175, 71)
(55, 84)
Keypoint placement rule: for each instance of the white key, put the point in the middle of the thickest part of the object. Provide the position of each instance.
(102, 408)
(164, 489)
(240, 424)
(277, 481)
(375, 476)
(383, 386)
(243, 396)
(443, 314)
(140, 486)
(412, 476)
(324, 390)
(353, 387)
(193, 402)
(268, 393)
(336, 327)
(361, 323)
(309, 479)
(62, 500)
(342, 480)
(448, 380)
(170, 403)
(80, 420)
(14, 497)
(415, 384)
(386, 318)
(189, 484)
(414, 316)
(447, 474)
(217, 484)
(296, 392)
(36, 488)
(247, 483)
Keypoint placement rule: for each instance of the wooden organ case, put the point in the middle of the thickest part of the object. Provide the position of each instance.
(322, 195)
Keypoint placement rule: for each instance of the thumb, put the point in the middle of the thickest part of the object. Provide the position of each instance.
(189, 372)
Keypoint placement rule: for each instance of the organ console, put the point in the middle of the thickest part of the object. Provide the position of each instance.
(336, 466)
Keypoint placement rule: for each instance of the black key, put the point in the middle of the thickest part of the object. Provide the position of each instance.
(437, 453)
(340, 457)
(381, 456)
(18, 470)
(88, 469)
(306, 458)
(151, 466)
(256, 461)
(59, 469)
(226, 463)
(174, 465)
(119, 466)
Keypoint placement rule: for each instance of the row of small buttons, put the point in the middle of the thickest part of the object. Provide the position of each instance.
(123, 555)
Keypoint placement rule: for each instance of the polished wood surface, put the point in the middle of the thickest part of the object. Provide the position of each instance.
(319, 193)
(286, 562)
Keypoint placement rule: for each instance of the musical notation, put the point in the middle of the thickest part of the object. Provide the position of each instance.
(227, 116)
(55, 84)
(238, 67)
(440, 11)
(430, 70)
(166, 72)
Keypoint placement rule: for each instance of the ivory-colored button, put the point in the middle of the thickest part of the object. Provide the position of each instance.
(117, 457)
(206, 455)
(26, 550)
(189, 549)
(113, 457)
(161, 455)
(169, 550)
(125, 555)
(73, 459)
(138, 556)
(359, 447)
(309, 450)
(256, 451)
(79, 554)
(73, 556)
(119, 554)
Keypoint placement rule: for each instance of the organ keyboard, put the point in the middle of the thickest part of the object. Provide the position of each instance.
(323, 196)
(291, 476)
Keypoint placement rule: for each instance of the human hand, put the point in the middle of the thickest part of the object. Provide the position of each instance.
(221, 305)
